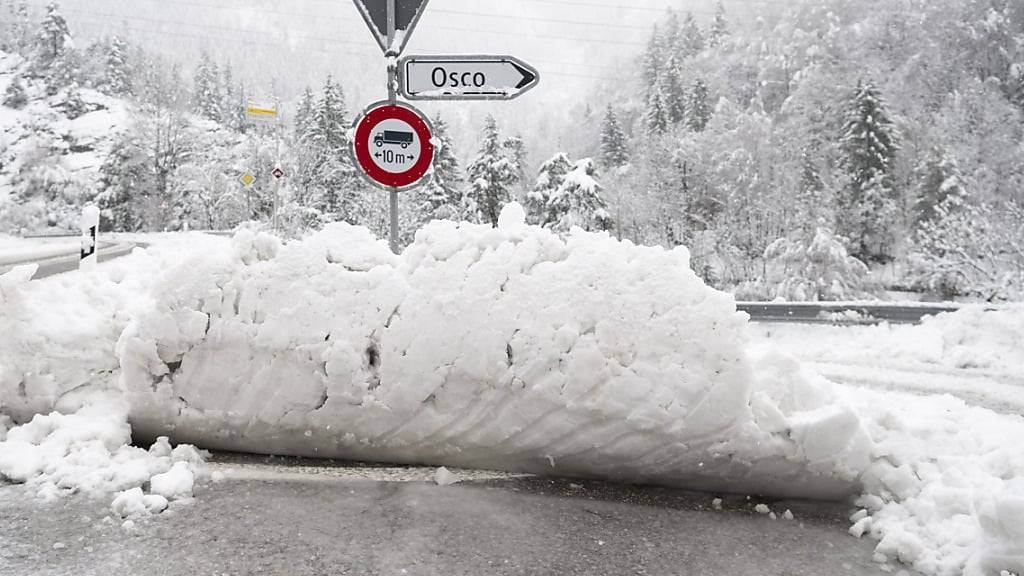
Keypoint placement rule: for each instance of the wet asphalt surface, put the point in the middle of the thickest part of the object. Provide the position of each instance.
(292, 517)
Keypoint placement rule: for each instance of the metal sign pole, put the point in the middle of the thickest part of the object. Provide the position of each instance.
(392, 62)
(277, 166)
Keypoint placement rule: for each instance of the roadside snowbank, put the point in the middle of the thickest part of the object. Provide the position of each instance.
(503, 348)
(973, 338)
(945, 491)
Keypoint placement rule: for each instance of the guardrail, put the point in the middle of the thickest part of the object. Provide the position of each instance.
(842, 312)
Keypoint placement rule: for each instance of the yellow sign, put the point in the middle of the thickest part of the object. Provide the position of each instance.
(247, 179)
(262, 113)
(257, 112)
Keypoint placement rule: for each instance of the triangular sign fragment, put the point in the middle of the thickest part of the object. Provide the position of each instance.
(407, 15)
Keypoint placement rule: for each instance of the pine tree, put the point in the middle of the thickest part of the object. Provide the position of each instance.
(691, 40)
(15, 96)
(206, 94)
(673, 95)
(123, 177)
(63, 71)
(939, 179)
(613, 142)
(54, 35)
(698, 109)
(304, 114)
(232, 104)
(491, 176)
(118, 80)
(1015, 85)
(869, 144)
(327, 175)
(672, 38)
(656, 117)
(719, 26)
(73, 105)
(653, 61)
(578, 201)
(549, 180)
(810, 199)
(440, 198)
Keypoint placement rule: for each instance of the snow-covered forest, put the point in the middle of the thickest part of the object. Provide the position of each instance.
(834, 149)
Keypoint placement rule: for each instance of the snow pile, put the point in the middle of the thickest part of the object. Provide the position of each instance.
(502, 348)
(89, 451)
(58, 335)
(974, 337)
(945, 491)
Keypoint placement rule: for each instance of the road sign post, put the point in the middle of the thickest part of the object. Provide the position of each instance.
(90, 230)
(393, 144)
(473, 77)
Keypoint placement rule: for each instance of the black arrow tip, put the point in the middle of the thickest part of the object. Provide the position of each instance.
(528, 77)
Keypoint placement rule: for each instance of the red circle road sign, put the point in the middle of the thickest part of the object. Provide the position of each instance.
(393, 145)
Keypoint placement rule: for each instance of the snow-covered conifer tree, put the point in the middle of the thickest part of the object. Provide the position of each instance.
(672, 93)
(124, 179)
(656, 115)
(549, 180)
(939, 178)
(691, 41)
(329, 177)
(53, 36)
(869, 144)
(578, 201)
(719, 26)
(698, 109)
(652, 62)
(206, 95)
(304, 114)
(63, 71)
(440, 199)
(614, 153)
(491, 176)
(15, 96)
(118, 80)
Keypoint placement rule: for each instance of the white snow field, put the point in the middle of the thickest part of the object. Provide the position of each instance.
(503, 348)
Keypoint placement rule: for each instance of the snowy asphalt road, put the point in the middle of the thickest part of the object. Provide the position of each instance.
(283, 520)
(68, 263)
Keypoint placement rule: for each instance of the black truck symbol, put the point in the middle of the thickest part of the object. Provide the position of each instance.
(403, 139)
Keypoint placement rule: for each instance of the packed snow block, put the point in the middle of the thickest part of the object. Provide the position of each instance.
(505, 348)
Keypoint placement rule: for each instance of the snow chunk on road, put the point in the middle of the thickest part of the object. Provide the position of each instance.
(505, 348)
(88, 451)
(134, 503)
(444, 477)
(175, 484)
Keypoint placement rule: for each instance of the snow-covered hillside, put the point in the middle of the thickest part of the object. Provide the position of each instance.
(51, 148)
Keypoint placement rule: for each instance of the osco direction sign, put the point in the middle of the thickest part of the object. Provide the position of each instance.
(392, 145)
(461, 77)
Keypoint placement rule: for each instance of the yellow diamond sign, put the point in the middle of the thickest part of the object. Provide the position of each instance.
(247, 179)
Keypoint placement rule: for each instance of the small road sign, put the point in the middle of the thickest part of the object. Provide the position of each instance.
(278, 173)
(392, 145)
(247, 179)
(406, 14)
(261, 113)
(475, 77)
